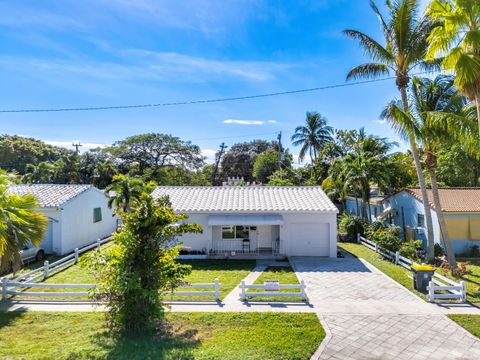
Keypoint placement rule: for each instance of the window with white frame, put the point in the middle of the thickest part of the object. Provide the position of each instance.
(235, 232)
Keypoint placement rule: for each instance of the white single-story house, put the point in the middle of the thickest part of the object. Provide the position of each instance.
(257, 220)
(78, 214)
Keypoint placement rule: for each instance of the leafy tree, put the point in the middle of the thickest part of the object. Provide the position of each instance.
(20, 224)
(17, 152)
(267, 163)
(135, 273)
(155, 151)
(313, 136)
(124, 191)
(457, 40)
(239, 160)
(405, 36)
(457, 168)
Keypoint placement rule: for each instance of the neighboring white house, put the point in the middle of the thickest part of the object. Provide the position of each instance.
(257, 220)
(78, 214)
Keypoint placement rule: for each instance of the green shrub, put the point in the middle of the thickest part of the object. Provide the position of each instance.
(409, 249)
(388, 238)
(350, 226)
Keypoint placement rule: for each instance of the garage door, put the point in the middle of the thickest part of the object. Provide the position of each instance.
(309, 239)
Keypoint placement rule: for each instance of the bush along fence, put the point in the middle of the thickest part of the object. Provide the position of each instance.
(440, 288)
(272, 289)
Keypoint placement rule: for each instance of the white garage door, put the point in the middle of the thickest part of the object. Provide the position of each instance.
(309, 239)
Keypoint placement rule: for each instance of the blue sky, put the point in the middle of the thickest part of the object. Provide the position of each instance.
(70, 53)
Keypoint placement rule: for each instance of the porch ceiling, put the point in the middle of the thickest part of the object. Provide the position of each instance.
(218, 220)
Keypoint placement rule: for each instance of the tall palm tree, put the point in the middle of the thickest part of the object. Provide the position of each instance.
(125, 190)
(457, 40)
(312, 136)
(20, 224)
(429, 97)
(405, 36)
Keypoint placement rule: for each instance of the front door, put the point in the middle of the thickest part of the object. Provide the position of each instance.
(265, 237)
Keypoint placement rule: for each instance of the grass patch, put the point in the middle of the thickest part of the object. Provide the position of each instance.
(469, 322)
(202, 336)
(396, 272)
(228, 272)
(283, 274)
(472, 280)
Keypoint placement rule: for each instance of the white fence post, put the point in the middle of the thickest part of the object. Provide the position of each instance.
(217, 289)
(358, 238)
(242, 287)
(397, 257)
(303, 296)
(46, 269)
(4, 288)
(376, 247)
(76, 255)
(464, 291)
(98, 244)
(431, 291)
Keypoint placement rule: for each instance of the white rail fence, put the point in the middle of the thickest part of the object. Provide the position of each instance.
(272, 289)
(17, 289)
(213, 293)
(48, 268)
(440, 288)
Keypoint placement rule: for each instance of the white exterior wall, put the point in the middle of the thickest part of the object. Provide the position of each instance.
(290, 244)
(77, 226)
(53, 235)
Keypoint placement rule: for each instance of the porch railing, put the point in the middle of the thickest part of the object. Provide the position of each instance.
(239, 246)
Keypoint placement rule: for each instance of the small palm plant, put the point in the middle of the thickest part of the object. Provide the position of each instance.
(20, 224)
(125, 190)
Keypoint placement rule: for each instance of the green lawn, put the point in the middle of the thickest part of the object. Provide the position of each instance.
(246, 336)
(228, 272)
(283, 274)
(469, 322)
(396, 272)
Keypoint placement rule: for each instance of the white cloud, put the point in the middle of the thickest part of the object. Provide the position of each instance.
(249, 122)
(210, 155)
(380, 122)
(68, 145)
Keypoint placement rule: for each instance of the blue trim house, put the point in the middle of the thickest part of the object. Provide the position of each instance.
(460, 206)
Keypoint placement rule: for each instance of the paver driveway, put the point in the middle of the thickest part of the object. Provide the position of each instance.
(370, 316)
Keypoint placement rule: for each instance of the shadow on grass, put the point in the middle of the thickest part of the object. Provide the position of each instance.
(168, 344)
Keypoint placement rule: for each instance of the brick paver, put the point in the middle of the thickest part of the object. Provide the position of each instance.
(369, 316)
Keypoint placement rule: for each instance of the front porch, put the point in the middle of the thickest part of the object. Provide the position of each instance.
(246, 237)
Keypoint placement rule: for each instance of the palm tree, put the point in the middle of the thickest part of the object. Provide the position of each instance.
(457, 40)
(429, 97)
(312, 136)
(20, 224)
(125, 190)
(405, 36)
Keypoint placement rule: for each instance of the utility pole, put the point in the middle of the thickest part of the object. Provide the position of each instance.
(218, 157)
(76, 145)
(280, 151)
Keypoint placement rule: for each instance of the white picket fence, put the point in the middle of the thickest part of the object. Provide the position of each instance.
(268, 292)
(441, 287)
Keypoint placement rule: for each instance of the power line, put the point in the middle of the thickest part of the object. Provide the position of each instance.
(193, 102)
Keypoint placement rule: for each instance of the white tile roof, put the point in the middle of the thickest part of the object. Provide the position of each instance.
(246, 198)
(49, 195)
